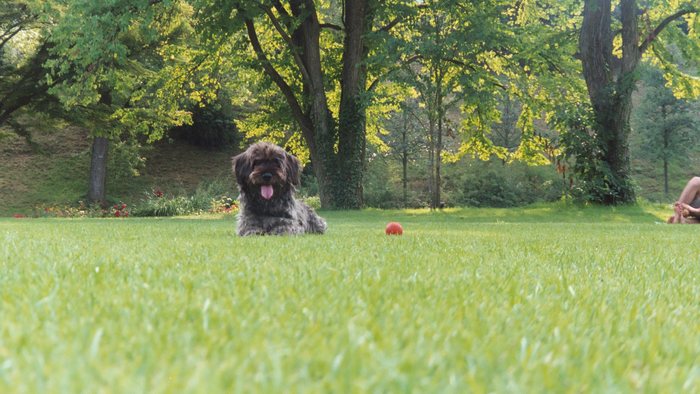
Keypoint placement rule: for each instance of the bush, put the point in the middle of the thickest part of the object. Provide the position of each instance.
(206, 198)
(153, 205)
(383, 188)
(313, 201)
(224, 204)
(81, 210)
(492, 184)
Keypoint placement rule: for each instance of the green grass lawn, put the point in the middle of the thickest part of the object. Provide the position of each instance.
(544, 298)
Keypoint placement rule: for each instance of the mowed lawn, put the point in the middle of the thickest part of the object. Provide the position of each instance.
(548, 298)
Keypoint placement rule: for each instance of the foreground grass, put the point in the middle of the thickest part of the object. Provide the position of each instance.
(541, 299)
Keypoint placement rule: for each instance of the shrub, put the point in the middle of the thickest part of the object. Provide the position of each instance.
(209, 196)
(492, 184)
(224, 204)
(79, 210)
(153, 205)
(313, 201)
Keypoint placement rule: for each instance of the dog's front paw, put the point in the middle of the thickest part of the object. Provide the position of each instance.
(251, 232)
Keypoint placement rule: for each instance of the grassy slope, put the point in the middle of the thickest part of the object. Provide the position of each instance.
(29, 178)
(547, 298)
(58, 174)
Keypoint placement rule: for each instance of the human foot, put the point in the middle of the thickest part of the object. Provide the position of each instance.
(678, 214)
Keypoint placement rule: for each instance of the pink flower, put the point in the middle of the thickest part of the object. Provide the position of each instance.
(117, 213)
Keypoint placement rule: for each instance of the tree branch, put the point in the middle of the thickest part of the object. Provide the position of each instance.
(652, 36)
(330, 26)
(391, 70)
(275, 76)
(290, 43)
(398, 20)
(5, 38)
(391, 24)
(280, 8)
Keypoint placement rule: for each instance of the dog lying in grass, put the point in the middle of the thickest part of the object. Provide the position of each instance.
(267, 178)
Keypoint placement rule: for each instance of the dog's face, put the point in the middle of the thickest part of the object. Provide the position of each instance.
(266, 171)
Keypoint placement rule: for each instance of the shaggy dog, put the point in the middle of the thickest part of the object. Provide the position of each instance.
(267, 177)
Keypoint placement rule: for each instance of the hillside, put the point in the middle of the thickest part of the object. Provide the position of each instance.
(56, 173)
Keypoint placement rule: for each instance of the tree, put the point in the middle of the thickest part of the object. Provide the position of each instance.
(506, 132)
(477, 55)
(405, 139)
(436, 77)
(124, 70)
(610, 76)
(664, 123)
(327, 89)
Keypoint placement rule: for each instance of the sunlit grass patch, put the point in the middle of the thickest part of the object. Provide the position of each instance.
(606, 301)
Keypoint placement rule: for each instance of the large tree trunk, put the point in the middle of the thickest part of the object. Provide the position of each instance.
(98, 170)
(337, 148)
(610, 83)
(318, 126)
(352, 121)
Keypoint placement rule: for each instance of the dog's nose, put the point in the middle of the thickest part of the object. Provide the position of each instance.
(267, 177)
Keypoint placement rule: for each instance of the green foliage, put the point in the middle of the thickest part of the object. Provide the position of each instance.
(677, 49)
(494, 184)
(313, 201)
(663, 144)
(468, 182)
(132, 69)
(212, 127)
(127, 77)
(664, 122)
(594, 181)
(125, 161)
(167, 206)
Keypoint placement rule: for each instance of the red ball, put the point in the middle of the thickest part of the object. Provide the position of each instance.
(394, 228)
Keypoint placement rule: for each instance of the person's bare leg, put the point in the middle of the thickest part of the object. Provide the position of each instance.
(690, 191)
(689, 194)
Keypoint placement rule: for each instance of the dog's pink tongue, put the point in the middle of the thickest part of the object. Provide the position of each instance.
(267, 191)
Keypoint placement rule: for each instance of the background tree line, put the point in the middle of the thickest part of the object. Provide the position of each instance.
(422, 87)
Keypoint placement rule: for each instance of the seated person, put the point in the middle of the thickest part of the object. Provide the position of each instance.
(687, 208)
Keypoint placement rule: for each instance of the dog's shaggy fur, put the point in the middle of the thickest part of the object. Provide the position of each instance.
(267, 178)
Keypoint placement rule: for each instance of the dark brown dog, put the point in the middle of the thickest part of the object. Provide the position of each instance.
(267, 178)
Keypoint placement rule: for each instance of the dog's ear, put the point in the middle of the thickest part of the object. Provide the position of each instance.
(242, 167)
(292, 168)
